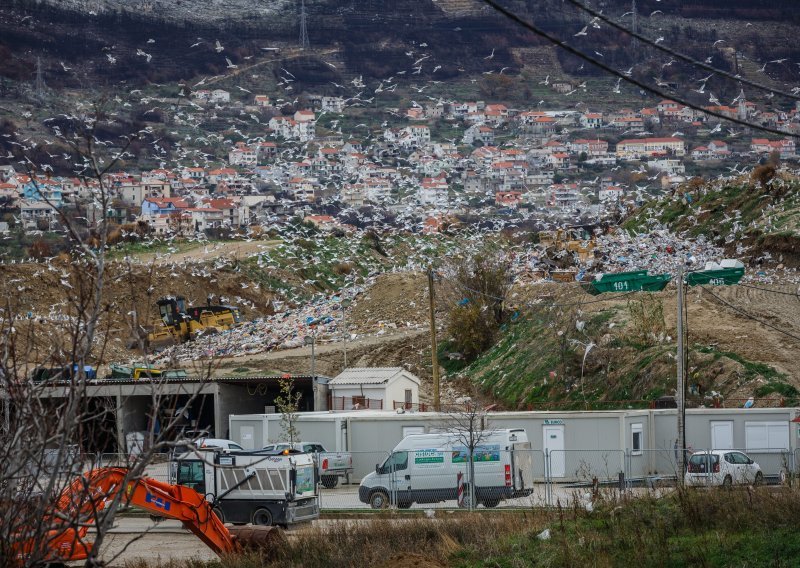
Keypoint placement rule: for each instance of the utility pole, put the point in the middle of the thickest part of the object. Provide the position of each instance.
(345, 304)
(304, 43)
(434, 351)
(40, 85)
(680, 360)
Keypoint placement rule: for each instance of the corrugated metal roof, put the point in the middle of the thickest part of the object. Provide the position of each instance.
(195, 379)
(370, 376)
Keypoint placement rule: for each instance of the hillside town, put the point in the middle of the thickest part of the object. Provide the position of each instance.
(546, 163)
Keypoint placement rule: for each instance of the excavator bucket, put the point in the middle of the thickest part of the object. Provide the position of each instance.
(256, 537)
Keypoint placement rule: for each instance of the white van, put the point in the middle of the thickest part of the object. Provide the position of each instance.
(424, 468)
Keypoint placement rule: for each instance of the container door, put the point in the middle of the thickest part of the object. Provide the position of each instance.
(722, 435)
(523, 465)
(554, 444)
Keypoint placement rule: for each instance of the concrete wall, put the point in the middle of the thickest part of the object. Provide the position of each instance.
(234, 399)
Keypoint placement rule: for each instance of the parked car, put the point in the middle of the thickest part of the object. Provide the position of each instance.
(330, 465)
(207, 444)
(722, 467)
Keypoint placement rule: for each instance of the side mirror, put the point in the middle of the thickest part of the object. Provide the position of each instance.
(377, 469)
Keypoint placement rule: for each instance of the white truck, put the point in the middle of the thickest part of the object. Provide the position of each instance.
(330, 465)
(262, 488)
(426, 468)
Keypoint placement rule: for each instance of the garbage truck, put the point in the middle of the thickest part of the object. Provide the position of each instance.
(260, 487)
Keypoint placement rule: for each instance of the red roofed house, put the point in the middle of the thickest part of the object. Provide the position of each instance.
(508, 199)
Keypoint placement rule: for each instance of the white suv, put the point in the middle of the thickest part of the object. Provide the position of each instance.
(722, 467)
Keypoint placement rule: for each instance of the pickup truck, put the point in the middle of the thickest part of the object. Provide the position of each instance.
(330, 465)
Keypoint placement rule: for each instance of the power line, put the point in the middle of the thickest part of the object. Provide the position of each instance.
(635, 34)
(541, 305)
(559, 43)
(770, 290)
(304, 42)
(745, 314)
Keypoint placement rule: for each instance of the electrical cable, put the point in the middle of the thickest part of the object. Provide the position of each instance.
(745, 314)
(679, 55)
(795, 294)
(607, 68)
(543, 305)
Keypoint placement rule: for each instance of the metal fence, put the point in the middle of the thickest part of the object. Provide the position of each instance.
(419, 480)
(443, 479)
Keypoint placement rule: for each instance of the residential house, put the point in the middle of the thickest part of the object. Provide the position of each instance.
(611, 193)
(332, 104)
(508, 199)
(228, 208)
(204, 218)
(243, 155)
(478, 133)
(591, 120)
(219, 96)
(36, 215)
(221, 175)
(649, 147)
(154, 206)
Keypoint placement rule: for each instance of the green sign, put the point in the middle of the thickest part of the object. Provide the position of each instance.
(638, 280)
(721, 277)
(428, 456)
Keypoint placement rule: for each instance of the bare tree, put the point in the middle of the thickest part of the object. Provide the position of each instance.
(470, 428)
(50, 414)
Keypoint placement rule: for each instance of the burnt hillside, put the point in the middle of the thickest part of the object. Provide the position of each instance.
(103, 43)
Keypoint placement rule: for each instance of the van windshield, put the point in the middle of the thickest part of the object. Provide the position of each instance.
(395, 462)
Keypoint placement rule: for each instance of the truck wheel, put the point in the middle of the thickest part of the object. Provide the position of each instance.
(493, 502)
(218, 512)
(330, 481)
(379, 500)
(262, 517)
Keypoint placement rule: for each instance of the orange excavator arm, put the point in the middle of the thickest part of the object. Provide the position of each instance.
(81, 502)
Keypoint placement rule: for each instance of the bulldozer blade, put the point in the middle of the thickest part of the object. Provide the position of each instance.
(255, 537)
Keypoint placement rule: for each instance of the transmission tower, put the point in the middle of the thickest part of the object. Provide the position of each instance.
(304, 43)
(40, 85)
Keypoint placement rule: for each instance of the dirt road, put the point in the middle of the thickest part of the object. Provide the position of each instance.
(205, 252)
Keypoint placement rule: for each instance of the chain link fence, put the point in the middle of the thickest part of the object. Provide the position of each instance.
(514, 479)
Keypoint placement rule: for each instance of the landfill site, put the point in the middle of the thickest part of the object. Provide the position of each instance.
(383, 319)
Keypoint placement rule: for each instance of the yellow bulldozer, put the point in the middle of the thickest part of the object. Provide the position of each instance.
(572, 239)
(180, 323)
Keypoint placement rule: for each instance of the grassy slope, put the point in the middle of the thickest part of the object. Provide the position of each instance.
(723, 212)
(538, 362)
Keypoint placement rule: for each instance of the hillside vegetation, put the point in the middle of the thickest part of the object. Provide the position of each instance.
(745, 218)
